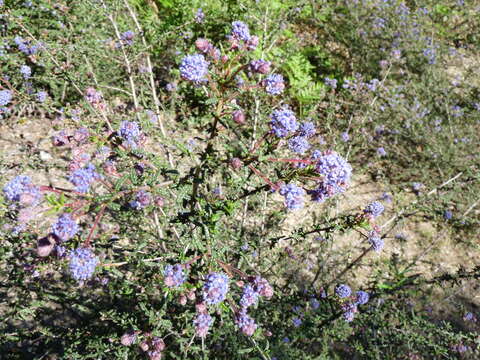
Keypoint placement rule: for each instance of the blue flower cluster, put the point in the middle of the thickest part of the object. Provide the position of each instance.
(249, 296)
(246, 324)
(65, 228)
(361, 297)
(216, 288)
(173, 275)
(20, 189)
(83, 178)
(41, 96)
(5, 97)
(202, 323)
(283, 122)
(194, 68)
(260, 66)
(240, 31)
(374, 209)
(343, 291)
(298, 144)
(375, 241)
(335, 172)
(307, 129)
(127, 38)
(274, 84)
(82, 264)
(349, 310)
(26, 71)
(130, 132)
(293, 196)
(25, 47)
(142, 199)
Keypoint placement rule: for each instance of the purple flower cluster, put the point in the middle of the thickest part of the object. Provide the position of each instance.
(262, 286)
(361, 297)
(21, 190)
(260, 66)
(216, 288)
(240, 31)
(349, 310)
(83, 178)
(65, 228)
(298, 144)
(469, 317)
(41, 96)
(249, 296)
(199, 16)
(314, 303)
(293, 196)
(173, 275)
(246, 324)
(142, 199)
(130, 132)
(375, 241)
(307, 129)
(5, 97)
(274, 84)
(95, 98)
(381, 151)
(127, 37)
(331, 82)
(345, 136)
(297, 321)
(194, 68)
(447, 215)
(82, 264)
(26, 71)
(335, 172)
(283, 121)
(202, 323)
(374, 209)
(25, 47)
(343, 291)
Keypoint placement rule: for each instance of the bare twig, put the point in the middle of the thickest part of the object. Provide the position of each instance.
(125, 59)
(156, 100)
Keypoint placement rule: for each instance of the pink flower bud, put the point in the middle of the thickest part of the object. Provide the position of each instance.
(182, 300)
(159, 201)
(252, 43)
(201, 307)
(203, 45)
(144, 345)
(158, 343)
(235, 163)
(110, 168)
(191, 295)
(239, 117)
(128, 339)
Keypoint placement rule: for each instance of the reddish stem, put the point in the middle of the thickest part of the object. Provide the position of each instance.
(259, 142)
(191, 261)
(61, 190)
(292, 160)
(97, 220)
(251, 167)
